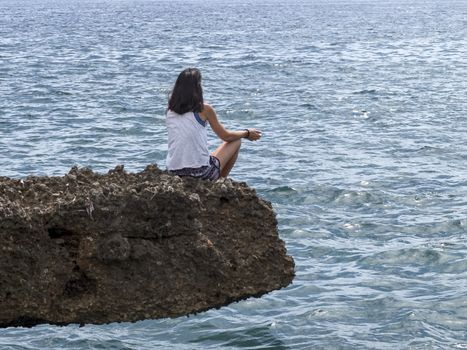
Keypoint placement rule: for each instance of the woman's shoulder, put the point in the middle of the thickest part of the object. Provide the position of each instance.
(207, 107)
(207, 110)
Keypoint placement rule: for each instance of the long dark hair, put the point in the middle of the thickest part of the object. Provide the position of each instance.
(187, 94)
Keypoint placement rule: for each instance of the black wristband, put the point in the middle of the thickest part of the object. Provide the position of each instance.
(248, 133)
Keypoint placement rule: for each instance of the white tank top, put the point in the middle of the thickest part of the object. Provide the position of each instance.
(188, 141)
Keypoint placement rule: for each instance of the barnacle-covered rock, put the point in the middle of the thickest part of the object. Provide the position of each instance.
(93, 248)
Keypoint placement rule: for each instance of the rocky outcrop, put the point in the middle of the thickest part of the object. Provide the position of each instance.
(92, 248)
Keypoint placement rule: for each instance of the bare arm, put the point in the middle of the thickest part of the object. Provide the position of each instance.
(224, 134)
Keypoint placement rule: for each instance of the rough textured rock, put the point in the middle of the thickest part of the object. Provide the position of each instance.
(92, 248)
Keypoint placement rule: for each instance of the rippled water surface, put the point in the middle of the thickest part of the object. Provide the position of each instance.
(363, 106)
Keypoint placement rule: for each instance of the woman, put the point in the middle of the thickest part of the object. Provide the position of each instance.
(186, 120)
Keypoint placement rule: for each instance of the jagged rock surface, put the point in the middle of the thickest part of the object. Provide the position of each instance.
(92, 248)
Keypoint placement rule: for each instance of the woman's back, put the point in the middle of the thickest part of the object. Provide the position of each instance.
(187, 138)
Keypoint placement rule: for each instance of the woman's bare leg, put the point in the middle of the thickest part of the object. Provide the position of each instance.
(227, 154)
(225, 170)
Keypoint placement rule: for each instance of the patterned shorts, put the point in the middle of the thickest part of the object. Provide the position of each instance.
(208, 172)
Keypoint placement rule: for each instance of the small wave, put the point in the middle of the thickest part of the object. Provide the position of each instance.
(365, 92)
(430, 150)
(407, 260)
(349, 197)
(309, 106)
(61, 93)
(283, 190)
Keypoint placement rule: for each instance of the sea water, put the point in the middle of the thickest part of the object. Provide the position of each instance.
(363, 109)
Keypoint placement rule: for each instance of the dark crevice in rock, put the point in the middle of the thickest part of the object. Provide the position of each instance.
(58, 232)
(79, 285)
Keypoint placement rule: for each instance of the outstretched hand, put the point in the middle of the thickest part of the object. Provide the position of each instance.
(254, 134)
